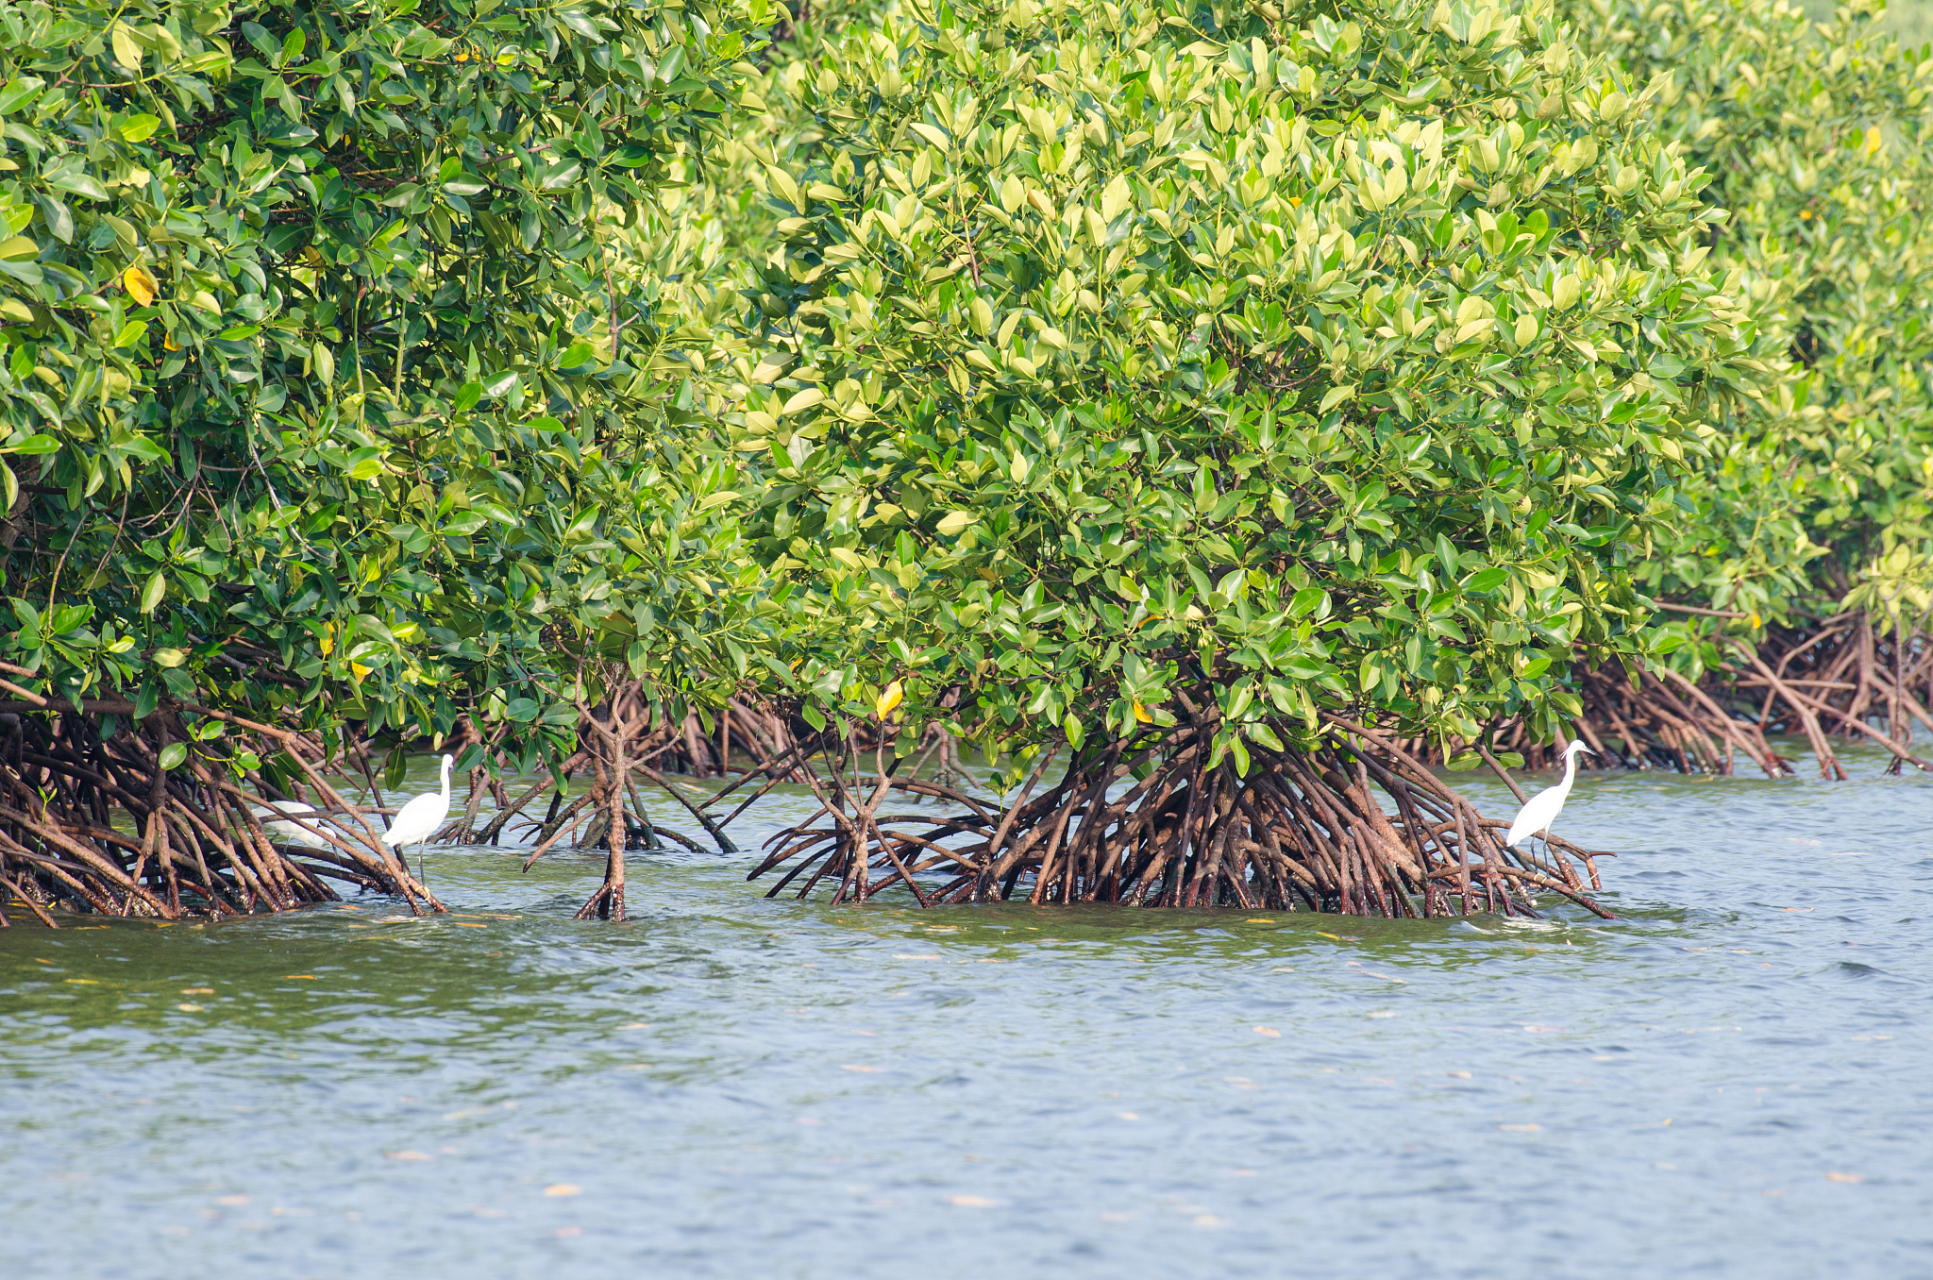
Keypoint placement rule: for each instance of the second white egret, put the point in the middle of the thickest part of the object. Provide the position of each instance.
(418, 820)
(1542, 809)
(284, 830)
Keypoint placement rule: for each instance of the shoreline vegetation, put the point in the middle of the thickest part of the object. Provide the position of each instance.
(1218, 418)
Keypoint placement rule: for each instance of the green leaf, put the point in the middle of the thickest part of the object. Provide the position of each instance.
(174, 755)
(1487, 579)
(1336, 395)
(580, 22)
(137, 128)
(66, 618)
(366, 464)
(60, 223)
(151, 594)
(79, 183)
(18, 92)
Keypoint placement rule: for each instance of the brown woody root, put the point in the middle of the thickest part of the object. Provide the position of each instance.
(623, 741)
(1297, 830)
(1834, 680)
(1666, 722)
(95, 824)
(1830, 682)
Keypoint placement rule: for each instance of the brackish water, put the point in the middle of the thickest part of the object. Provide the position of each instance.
(1732, 1079)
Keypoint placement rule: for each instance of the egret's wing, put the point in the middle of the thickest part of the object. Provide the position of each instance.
(288, 832)
(1535, 815)
(293, 834)
(417, 819)
(405, 822)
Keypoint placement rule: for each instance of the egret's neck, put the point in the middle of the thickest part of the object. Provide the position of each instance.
(446, 779)
(1570, 770)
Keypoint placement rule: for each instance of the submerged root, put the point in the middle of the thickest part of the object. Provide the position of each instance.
(1151, 822)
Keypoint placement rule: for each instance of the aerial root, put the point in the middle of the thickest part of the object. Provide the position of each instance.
(1827, 683)
(1296, 830)
(194, 844)
(625, 739)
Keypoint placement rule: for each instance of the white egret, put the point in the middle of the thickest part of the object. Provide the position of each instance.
(286, 831)
(1542, 810)
(418, 820)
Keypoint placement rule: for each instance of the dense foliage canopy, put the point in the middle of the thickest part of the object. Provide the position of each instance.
(1038, 369)
(333, 333)
(1356, 364)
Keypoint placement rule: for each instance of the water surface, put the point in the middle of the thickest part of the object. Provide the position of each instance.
(1729, 1080)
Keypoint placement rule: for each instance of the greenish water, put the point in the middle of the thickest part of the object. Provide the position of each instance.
(1730, 1080)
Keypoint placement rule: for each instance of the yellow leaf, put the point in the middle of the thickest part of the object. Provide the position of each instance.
(126, 52)
(889, 697)
(141, 285)
(955, 522)
(802, 400)
(1141, 713)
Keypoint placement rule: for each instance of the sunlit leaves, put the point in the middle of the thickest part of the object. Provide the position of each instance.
(1178, 359)
(279, 315)
(1826, 255)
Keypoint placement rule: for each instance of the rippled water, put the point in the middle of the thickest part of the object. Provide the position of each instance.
(1730, 1080)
